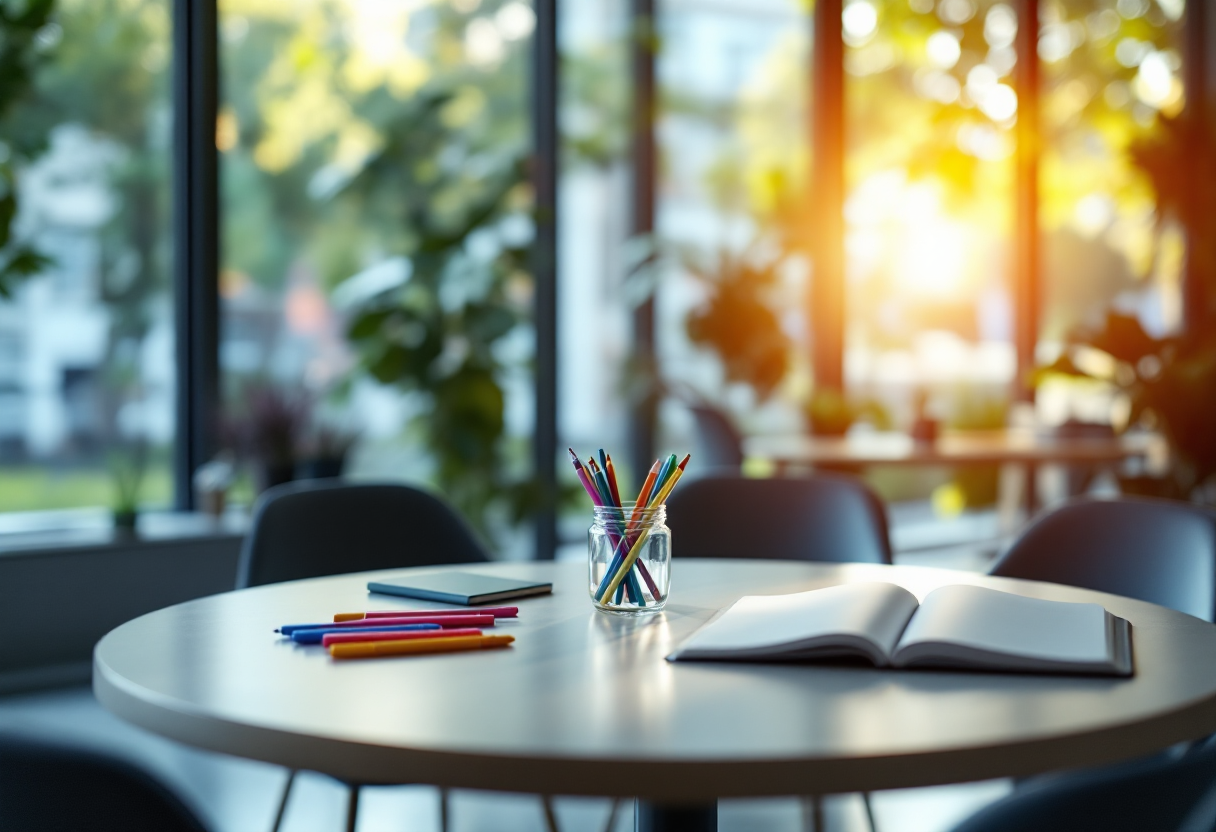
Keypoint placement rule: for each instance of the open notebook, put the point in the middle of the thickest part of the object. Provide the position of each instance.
(956, 627)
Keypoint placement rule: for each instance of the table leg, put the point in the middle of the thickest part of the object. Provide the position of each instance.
(1032, 490)
(661, 817)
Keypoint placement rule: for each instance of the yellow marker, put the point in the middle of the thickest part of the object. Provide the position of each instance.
(349, 616)
(371, 649)
(628, 562)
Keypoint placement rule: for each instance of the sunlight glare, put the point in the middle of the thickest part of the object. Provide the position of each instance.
(932, 257)
(860, 19)
(943, 50)
(1000, 26)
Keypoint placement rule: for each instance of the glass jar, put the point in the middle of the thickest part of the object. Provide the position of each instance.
(640, 538)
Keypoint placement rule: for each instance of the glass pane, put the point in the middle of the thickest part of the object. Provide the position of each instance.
(1112, 93)
(376, 222)
(731, 214)
(931, 111)
(594, 221)
(86, 339)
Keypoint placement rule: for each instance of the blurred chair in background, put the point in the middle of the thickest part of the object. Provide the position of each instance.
(827, 518)
(719, 444)
(1158, 551)
(1153, 550)
(1164, 792)
(316, 528)
(51, 787)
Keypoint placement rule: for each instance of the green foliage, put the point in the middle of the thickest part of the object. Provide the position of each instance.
(25, 38)
(441, 333)
(737, 320)
(1170, 384)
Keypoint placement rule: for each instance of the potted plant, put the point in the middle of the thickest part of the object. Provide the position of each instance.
(128, 463)
(323, 454)
(272, 431)
(1170, 386)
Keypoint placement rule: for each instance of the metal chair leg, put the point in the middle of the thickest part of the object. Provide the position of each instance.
(865, 799)
(278, 816)
(812, 814)
(444, 809)
(612, 813)
(550, 815)
(352, 809)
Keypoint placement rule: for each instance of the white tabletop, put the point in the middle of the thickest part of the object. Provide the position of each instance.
(583, 702)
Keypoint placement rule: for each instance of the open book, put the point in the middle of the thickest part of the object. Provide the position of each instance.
(956, 627)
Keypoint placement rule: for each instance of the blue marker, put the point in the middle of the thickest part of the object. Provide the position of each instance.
(314, 636)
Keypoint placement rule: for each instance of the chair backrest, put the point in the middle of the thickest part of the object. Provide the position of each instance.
(1155, 550)
(328, 527)
(50, 787)
(719, 444)
(1161, 792)
(822, 518)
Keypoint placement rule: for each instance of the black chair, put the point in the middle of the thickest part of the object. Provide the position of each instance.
(826, 518)
(52, 787)
(327, 527)
(1154, 550)
(1159, 793)
(316, 528)
(719, 445)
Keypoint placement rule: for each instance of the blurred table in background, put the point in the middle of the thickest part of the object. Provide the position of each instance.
(1026, 448)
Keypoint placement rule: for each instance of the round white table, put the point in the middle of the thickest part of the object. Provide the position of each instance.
(584, 703)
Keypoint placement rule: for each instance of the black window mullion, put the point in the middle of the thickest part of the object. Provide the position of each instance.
(195, 238)
(545, 77)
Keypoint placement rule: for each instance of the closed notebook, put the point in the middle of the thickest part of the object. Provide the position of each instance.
(958, 626)
(467, 588)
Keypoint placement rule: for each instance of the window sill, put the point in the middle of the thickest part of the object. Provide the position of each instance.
(36, 532)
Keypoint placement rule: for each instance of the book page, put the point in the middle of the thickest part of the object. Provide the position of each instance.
(780, 626)
(970, 624)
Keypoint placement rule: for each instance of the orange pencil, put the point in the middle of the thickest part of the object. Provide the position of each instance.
(372, 649)
(610, 470)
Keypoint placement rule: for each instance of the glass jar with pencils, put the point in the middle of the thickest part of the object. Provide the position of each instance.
(629, 558)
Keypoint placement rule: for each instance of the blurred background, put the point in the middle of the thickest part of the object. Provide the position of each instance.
(803, 219)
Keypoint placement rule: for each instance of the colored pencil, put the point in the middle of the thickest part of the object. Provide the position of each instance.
(612, 483)
(634, 552)
(352, 638)
(372, 649)
(584, 479)
(632, 587)
(497, 612)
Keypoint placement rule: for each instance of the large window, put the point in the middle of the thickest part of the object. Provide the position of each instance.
(376, 222)
(86, 340)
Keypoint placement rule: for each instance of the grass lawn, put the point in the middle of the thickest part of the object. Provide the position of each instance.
(34, 487)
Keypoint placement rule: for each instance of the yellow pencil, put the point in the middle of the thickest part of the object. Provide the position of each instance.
(627, 563)
(371, 649)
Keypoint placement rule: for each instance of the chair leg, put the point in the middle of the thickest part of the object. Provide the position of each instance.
(352, 809)
(610, 825)
(278, 816)
(865, 800)
(550, 815)
(445, 809)
(812, 814)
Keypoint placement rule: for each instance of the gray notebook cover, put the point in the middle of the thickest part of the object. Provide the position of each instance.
(467, 588)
